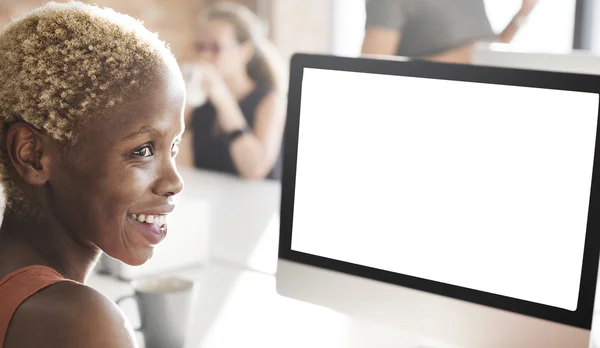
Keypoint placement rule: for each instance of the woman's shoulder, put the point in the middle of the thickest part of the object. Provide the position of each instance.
(68, 314)
(271, 102)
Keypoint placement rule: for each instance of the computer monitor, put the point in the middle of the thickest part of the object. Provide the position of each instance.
(506, 56)
(452, 201)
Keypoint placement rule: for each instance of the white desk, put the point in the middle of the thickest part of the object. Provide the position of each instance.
(244, 228)
(240, 308)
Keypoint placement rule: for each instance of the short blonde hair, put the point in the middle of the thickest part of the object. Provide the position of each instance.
(66, 64)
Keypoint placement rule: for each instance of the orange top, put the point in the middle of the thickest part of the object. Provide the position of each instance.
(18, 286)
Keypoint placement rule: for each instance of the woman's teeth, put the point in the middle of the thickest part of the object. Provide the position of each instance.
(158, 220)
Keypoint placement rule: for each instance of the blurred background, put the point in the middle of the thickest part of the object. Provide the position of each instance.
(292, 24)
(337, 26)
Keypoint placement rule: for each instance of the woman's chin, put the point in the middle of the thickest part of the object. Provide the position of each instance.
(137, 262)
(140, 257)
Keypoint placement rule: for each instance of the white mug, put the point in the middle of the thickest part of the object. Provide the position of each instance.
(164, 307)
(192, 75)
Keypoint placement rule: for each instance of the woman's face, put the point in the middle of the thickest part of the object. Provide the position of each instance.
(123, 169)
(217, 44)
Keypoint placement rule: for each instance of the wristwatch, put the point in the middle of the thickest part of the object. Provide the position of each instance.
(231, 136)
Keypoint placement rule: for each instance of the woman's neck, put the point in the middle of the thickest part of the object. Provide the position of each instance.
(39, 241)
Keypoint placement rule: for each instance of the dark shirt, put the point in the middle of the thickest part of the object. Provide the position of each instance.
(429, 27)
(212, 152)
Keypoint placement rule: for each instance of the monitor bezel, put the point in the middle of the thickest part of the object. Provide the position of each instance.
(581, 318)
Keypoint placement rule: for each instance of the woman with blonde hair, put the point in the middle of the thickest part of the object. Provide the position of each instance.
(91, 113)
(239, 129)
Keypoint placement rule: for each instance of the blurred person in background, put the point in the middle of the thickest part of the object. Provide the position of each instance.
(437, 30)
(239, 129)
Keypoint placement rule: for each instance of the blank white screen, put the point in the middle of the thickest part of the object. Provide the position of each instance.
(477, 185)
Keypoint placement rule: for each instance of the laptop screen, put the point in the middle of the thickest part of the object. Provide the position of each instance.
(476, 185)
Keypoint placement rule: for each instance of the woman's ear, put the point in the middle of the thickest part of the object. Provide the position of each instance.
(30, 152)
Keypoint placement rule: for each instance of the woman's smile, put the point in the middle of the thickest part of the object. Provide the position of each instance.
(151, 223)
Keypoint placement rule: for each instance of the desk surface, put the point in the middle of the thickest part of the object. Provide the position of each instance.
(244, 226)
(240, 308)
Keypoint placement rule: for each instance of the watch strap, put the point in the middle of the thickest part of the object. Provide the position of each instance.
(233, 135)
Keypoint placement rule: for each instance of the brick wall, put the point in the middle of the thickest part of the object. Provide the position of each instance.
(301, 26)
(295, 25)
(174, 20)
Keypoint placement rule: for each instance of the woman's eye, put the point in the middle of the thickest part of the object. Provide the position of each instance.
(145, 151)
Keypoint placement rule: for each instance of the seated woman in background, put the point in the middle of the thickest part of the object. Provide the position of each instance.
(240, 129)
(437, 30)
(91, 112)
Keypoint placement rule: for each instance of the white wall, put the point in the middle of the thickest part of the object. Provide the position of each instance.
(549, 28)
(348, 27)
(594, 18)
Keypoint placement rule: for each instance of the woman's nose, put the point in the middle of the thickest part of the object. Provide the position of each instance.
(169, 182)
